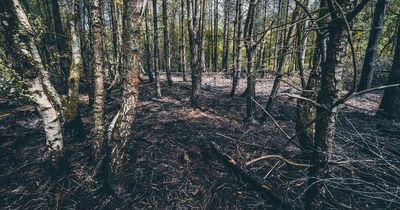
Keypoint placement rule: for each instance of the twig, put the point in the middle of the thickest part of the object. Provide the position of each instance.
(276, 157)
(273, 167)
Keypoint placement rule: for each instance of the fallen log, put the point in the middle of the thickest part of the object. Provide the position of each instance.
(256, 182)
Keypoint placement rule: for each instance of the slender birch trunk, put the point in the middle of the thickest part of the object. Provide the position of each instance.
(23, 50)
(98, 71)
(71, 110)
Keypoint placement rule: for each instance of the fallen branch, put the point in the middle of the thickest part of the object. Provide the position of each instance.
(256, 182)
(277, 157)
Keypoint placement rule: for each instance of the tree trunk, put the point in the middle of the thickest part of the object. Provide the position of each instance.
(120, 128)
(329, 94)
(250, 55)
(202, 24)
(391, 98)
(278, 36)
(116, 37)
(236, 51)
(167, 56)
(306, 110)
(325, 124)
(225, 48)
(61, 41)
(22, 50)
(182, 49)
(156, 54)
(72, 105)
(215, 42)
(367, 71)
(194, 9)
(147, 47)
(302, 39)
(98, 73)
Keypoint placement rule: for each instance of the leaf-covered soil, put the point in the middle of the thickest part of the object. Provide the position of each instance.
(170, 164)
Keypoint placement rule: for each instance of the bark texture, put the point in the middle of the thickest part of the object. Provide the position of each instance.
(22, 50)
(326, 117)
(98, 71)
(71, 108)
(120, 128)
(194, 10)
(328, 96)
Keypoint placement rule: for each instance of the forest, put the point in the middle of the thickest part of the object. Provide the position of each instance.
(200, 104)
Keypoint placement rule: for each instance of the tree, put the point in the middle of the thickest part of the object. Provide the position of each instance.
(328, 96)
(390, 103)
(147, 47)
(236, 46)
(120, 128)
(182, 51)
(215, 38)
(59, 34)
(98, 71)
(373, 42)
(156, 50)
(72, 109)
(251, 47)
(25, 59)
(116, 41)
(194, 10)
(305, 114)
(225, 47)
(167, 56)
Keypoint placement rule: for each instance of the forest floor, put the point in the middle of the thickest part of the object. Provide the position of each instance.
(170, 165)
